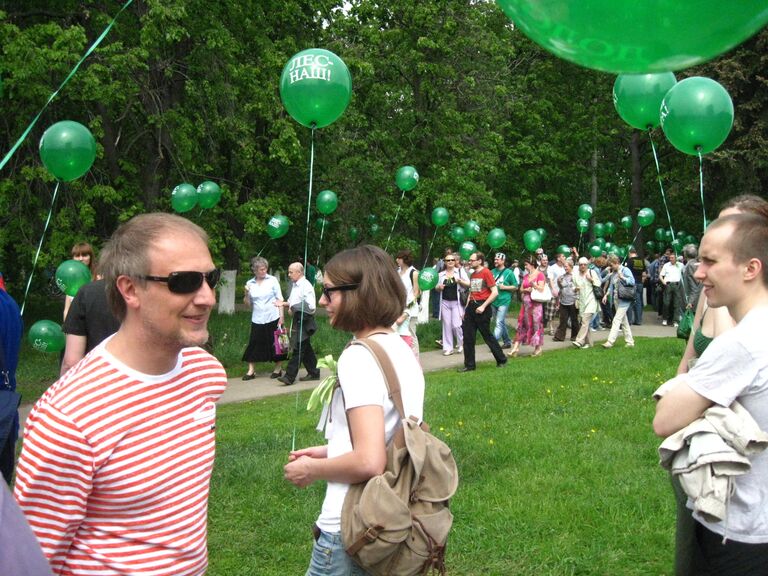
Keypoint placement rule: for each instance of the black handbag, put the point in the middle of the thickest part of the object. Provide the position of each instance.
(625, 291)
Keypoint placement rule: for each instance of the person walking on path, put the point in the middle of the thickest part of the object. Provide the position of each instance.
(507, 285)
(568, 310)
(451, 309)
(671, 277)
(124, 486)
(619, 274)
(530, 329)
(477, 316)
(585, 281)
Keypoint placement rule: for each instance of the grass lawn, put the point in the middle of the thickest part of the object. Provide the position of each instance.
(558, 465)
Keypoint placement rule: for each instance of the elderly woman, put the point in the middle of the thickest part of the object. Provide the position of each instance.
(619, 274)
(451, 310)
(529, 321)
(585, 281)
(262, 292)
(363, 296)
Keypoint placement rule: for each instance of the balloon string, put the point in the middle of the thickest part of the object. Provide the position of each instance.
(320, 243)
(701, 192)
(429, 251)
(39, 247)
(93, 47)
(661, 186)
(262, 248)
(395, 220)
(633, 242)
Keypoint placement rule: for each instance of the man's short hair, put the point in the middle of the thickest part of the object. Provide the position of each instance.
(379, 298)
(480, 256)
(298, 266)
(690, 252)
(750, 242)
(127, 253)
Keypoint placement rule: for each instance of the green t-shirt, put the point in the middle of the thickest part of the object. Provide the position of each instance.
(503, 277)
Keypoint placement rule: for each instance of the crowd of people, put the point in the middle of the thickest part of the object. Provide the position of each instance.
(116, 462)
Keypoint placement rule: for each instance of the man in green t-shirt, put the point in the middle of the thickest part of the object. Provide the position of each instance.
(506, 283)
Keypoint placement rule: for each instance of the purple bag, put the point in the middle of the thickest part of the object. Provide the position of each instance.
(281, 341)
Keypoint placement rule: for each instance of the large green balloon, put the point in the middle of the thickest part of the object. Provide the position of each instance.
(327, 202)
(626, 222)
(315, 87)
(46, 336)
(564, 249)
(585, 211)
(428, 278)
(599, 230)
(457, 234)
(466, 249)
(184, 198)
(277, 227)
(406, 178)
(637, 37)
(595, 250)
(582, 225)
(71, 275)
(637, 97)
(496, 238)
(440, 216)
(532, 240)
(645, 217)
(697, 115)
(208, 194)
(67, 150)
(471, 229)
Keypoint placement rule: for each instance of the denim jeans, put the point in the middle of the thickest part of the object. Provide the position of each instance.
(330, 559)
(500, 331)
(635, 312)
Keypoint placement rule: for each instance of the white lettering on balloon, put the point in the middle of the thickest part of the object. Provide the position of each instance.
(310, 67)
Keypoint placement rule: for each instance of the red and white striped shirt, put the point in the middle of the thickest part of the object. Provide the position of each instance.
(115, 468)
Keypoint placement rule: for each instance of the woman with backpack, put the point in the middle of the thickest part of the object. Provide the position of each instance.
(363, 295)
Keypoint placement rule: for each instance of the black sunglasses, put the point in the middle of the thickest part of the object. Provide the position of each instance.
(187, 282)
(342, 287)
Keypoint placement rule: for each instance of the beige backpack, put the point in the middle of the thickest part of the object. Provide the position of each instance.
(397, 523)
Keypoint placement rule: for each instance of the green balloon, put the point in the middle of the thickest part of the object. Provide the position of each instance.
(466, 249)
(564, 249)
(428, 278)
(668, 237)
(645, 217)
(439, 216)
(46, 336)
(609, 246)
(595, 250)
(208, 194)
(660, 246)
(184, 198)
(659, 234)
(610, 228)
(372, 218)
(680, 234)
(697, 115)
(690, 239)
(457, 234)
(496, 238)
(582, 225)
(71, 275)
(375, 229)
(677, 245)
(354, 232)
(585, 211)
(471, 229)
(626, 222)
(600, 242)
(650, 246)
(321, 224)
(277, 227)
(542, 234)
(599, 230)
(327, 202)
(637, 97)
(637, 37)
(67, 150)
(406, 178)
(532, 240)
(315, 87)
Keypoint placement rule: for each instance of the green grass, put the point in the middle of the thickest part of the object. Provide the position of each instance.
(558, 465)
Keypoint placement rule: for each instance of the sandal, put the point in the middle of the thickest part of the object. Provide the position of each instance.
(276, 374)
(249, 376)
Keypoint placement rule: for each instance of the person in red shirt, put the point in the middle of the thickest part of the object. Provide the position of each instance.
(482, 293)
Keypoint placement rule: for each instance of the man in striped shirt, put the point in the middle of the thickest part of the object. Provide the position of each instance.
(117, 455)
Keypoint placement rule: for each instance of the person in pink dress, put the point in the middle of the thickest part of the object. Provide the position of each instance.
(530, 329)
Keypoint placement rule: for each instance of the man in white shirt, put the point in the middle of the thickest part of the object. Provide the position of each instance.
(734, 367)
(301, 305)
(671, 275)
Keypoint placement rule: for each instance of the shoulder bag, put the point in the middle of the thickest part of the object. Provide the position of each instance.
(541, 295)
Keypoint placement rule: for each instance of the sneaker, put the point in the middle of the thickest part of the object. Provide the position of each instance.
(447, 352)
(586, 346)
(310, 376)
(506, 346)
(592, 329)
(629, 345)
(577, 344)
(607, 345)
(674, 325)
(460, 350)
(663, 322)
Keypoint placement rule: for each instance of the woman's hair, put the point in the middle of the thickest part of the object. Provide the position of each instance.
(379, 297)
(258, 262)
(85, 249)
(532, 261)
(749, 204)
(601, 261)
(406, 255)
(613, 259)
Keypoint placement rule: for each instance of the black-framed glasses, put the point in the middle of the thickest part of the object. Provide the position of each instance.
(187, 282)
(340, 288)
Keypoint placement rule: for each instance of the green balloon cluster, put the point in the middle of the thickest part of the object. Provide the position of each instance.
(327, 202)
(71, 275)
(406, 178)
(277, 227)
(184, 198)
(428, 278)
(46, 336)
(67, 150)
(697, 115)
(315, 87)
(439, 216)
(637, 97)
(637, 37)
(496, 238)
(208, 194)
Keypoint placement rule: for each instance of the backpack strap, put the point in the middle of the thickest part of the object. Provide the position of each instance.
(387, 368)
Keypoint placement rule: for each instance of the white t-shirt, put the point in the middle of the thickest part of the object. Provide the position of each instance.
(554, 272)
(263, 296)
(671, 272)
(735, 367)
(362, 382)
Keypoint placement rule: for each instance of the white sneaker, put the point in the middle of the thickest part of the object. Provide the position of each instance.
(674, 325)
(592, 329)
(607, 345)
(586, 346)
(447, 352)
(628, 345)
(460, 349)
(663, 322)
